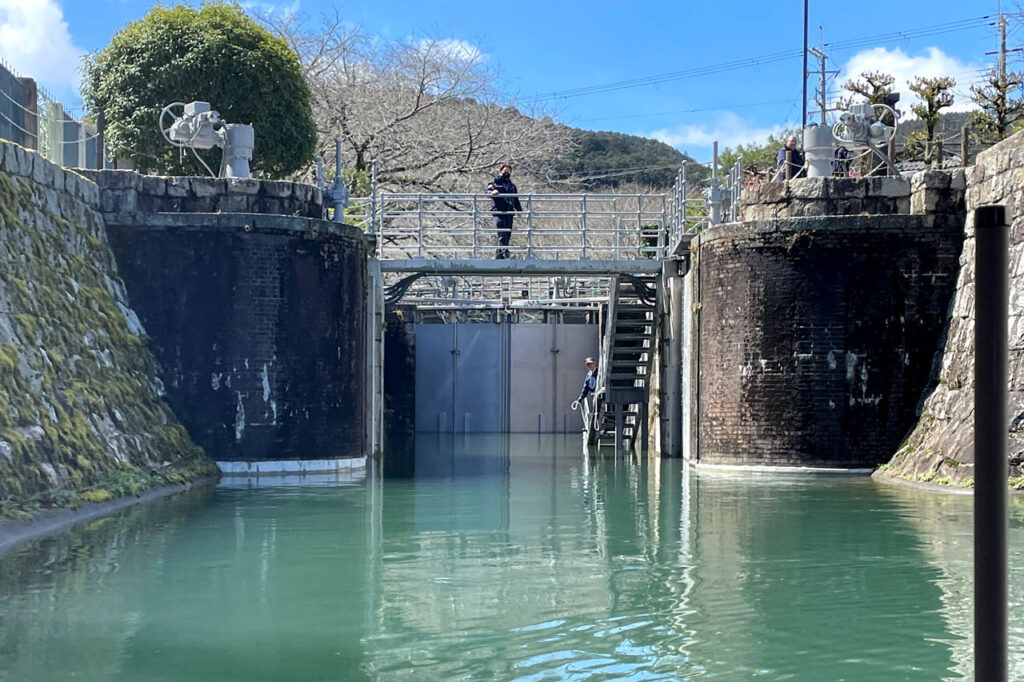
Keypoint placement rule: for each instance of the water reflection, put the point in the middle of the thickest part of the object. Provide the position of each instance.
(521, 557)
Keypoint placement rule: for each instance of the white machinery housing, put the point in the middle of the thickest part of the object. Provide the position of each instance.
(861, 130)
(199, 127)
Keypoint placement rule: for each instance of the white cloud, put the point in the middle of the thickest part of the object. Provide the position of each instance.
(729, 130)
(460, 50)
(932, 62)
(34, 39)
(271, 9)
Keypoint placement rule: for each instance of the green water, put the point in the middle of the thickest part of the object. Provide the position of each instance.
(510, 560)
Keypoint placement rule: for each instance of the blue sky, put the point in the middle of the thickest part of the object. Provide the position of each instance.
(540, 48)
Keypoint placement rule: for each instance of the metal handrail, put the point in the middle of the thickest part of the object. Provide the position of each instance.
(550, 226)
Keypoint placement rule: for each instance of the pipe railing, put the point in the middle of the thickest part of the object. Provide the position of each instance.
(550, 226)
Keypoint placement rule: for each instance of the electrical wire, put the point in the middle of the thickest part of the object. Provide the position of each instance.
(926, 31)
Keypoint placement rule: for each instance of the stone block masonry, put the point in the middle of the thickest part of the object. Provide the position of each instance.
(82, 414)
(941, 446)
(123, 191)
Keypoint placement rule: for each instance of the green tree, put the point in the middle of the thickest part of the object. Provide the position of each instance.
(756, 158)
(215, 54)
(935, 96)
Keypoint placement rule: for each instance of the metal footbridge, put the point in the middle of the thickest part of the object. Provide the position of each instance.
(602, 255)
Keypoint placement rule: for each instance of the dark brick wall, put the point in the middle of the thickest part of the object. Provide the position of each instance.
(259, 324)
(814, 338)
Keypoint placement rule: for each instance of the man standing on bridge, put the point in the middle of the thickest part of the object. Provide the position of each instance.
(502, 207)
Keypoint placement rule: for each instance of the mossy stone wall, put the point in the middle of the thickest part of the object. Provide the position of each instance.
(82, 413)
(940, 448)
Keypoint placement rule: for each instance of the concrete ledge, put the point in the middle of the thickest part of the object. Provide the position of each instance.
(14, 533)
(767, 469)
(293, 466)
(337, 478)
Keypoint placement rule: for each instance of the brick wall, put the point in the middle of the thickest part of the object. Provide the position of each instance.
(259, 324)
(813, 338)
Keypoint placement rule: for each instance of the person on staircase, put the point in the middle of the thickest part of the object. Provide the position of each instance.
(503, 207)
(589, 388)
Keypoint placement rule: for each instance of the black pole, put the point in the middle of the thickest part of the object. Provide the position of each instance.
(990, 443)
(803, 75)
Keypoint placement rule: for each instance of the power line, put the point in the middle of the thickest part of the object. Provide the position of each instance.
(686, 111)
(926, 31)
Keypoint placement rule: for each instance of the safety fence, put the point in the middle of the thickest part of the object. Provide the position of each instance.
(36, 120)
(549, 226)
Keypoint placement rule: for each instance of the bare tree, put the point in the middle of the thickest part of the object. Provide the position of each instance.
(424, 108)
(935, 94)
(1000, 110)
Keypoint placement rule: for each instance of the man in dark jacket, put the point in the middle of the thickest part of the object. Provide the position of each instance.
(502, 207)
(796, 160)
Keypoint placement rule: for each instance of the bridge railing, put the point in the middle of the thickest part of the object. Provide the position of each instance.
(508, 292)
(550, 226)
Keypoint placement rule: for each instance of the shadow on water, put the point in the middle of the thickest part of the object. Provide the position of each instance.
(519, 557)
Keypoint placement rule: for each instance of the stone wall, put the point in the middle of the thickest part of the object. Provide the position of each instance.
(813, 338)
(259, 325)
(925, 192)
(82, 414)
(826, 196)
(125, 191)
(941, 446)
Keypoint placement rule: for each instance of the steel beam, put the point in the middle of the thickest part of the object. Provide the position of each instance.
(538, 268)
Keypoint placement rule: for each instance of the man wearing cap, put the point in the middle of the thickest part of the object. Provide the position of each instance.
(589, 387)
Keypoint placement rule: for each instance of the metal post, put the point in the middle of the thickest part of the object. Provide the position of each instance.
(373, 198)
(803, 74)
(419, 220)
(990, 443)
(716, 202)
(529, 226)
(583, 204)
(965, 147)
(475, 212)
(101, 130)
(639, 227)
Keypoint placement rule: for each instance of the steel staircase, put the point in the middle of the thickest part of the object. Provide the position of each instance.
(627, 347)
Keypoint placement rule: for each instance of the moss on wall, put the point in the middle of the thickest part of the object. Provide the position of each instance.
(81, 413)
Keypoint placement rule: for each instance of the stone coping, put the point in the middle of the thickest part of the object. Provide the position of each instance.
(840, 223)
(14, 533)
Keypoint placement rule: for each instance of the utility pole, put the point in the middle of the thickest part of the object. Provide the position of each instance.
(803, 119)
(821, 94)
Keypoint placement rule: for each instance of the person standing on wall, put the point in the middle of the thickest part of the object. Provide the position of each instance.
(589, 388)
(503, 207)
(790, 160)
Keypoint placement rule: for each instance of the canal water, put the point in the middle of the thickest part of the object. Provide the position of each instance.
(515, 558)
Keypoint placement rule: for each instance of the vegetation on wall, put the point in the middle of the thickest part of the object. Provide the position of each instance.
(81, 417)
(215, 54)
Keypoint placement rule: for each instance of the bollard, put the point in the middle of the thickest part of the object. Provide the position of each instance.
(990, 443)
